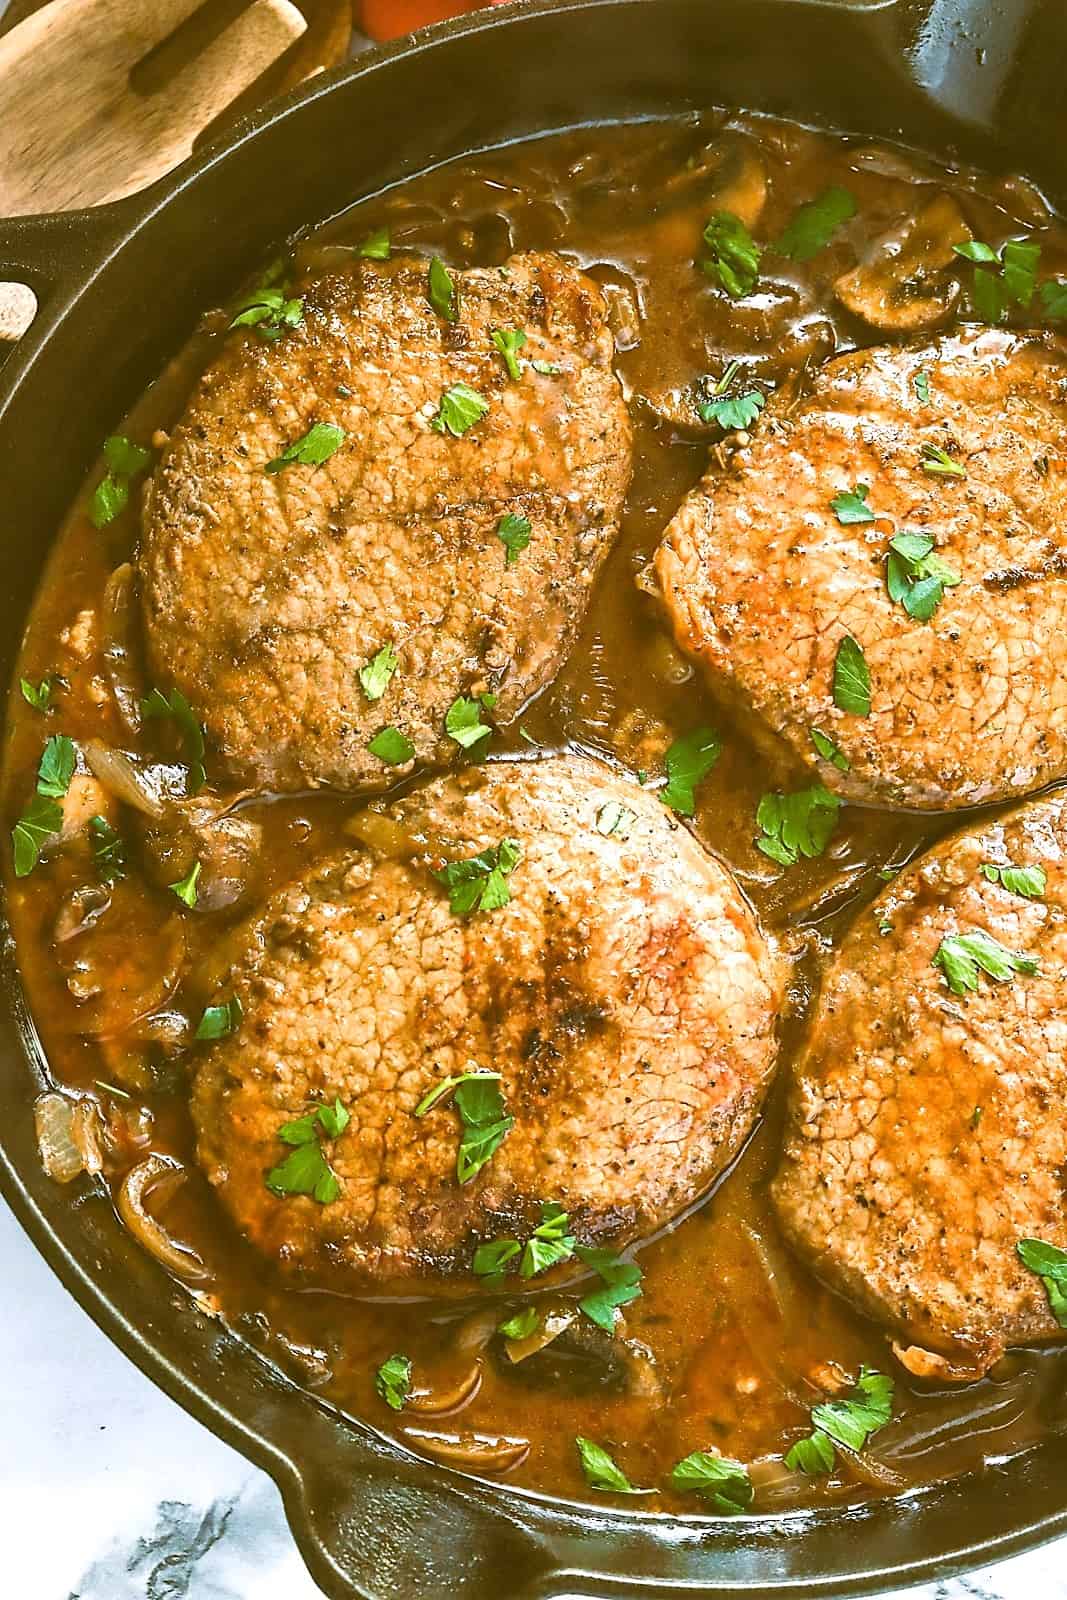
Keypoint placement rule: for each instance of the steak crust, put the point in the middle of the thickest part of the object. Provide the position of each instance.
(625, 995)
(264, 593)
(762, 581)
(927, 1134)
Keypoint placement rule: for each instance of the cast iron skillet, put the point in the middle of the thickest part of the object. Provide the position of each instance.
(120, 289)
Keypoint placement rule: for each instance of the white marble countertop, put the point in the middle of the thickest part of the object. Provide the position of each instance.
(108, 1491)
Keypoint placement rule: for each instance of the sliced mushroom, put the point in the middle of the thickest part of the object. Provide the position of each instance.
(471, 1452)
(118, 627)
(936, 1368)
(568, 1351)
(727, 175)
(904, 284)
(154, 1174)
(439, 1400)
(205, 829)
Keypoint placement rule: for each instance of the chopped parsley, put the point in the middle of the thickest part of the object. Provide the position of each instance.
(921, 385)
(814, 224)
(219, 1022)
(852, 506)
(268, 307)
(480, 883)
(1050, 1264)
(177, 707)
(1054, 299)
(463, 722)
(305, 1170)
(547, 369)
(731, 411)
(393, 1381)
(43, 817)
(40, 698)
(915, 575)
(442, 291)
(514, 534)
(57, 766)
(311, 449)
(392, 747)
(795, 825)
(733, 255)
(521, 1325)
(109, 850)
(376, 246)
(688, 762)
(613, 818)
(716, 1478)
(124, 460)
(1001, 278)
(620, 1282)
(376, 674)
(849, 1422)
(509, 341)
(491, 1258)
(478, 1099)
(600, 1470)
(549, 1244)
(459, 409)
(962, 956)
(852, 678)
(1029, 882)
(829, 751)
(939, 464)
(185, 888)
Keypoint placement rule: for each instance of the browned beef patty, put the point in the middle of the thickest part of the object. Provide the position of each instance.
(625, 994)
(927, 1131)
(264, 593)
(762, 581)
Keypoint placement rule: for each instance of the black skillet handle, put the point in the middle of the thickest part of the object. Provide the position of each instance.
(53, 253)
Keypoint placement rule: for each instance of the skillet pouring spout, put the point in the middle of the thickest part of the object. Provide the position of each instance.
(119, 291)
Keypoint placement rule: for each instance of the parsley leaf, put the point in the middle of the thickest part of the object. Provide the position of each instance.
(446, 1086)
(375, 676)
(731, 411)
(1003, 278)
(459, 409)
(509, 341)
(393, 1381)
(547, 369)
(219, 1022)
(1029, 882)
(1050, 1264)
(41, 819)
(521, 1325)
(921, 385)
(109, 850)
(463, 722)
(795, 825)
(57, 766)
(814, 224)
(939, 464)
(311, 449)
(852, 507)
(915, 576)
(620, 1284)
(175, 705)
(486, 1125)
(392, 747)
(442, 291)
(733, 255)
(829, 751)
(124, 460)
(305, 1170)
(1054, 299)
(491, 1258)
(514, 534)
(40, 698)
(688, 761)
(852, 678)
(480, 883)
(268, 307)
(616, 819)
(600, 1470)
(549, 1244)
(185, 888)
(716, 1478)
(376, 246)
(849, 1422)
(961, 956)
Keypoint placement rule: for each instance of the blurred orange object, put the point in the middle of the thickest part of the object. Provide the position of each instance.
(388, 19)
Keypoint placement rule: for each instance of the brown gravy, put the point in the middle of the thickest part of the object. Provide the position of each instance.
(736, 1331)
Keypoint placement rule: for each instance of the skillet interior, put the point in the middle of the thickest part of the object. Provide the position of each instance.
(371, 1520)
